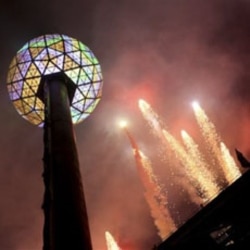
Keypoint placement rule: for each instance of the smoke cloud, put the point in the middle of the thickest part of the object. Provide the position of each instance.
(167, 52)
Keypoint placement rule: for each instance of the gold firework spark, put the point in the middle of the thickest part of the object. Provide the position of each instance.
(110, 242)
(233, 171)
(155, 123)
(206, 178)
(151, 116)
(213, 141)
(156, 199)
(154, 195)
(189, 165)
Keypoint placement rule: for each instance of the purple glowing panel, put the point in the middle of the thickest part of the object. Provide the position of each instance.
(49, 54)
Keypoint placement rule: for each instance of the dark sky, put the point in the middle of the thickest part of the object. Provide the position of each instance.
(167, 52)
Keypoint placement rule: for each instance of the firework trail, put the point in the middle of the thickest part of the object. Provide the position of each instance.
(110, 242)
(207, 180)
(214, 144)
(177, 174)
(156, 200)
(154, 196)
(189, 165)
(151, 117)
(233, 171)
(157, 126)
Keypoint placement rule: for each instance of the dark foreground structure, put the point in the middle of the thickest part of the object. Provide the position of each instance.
(224, 223)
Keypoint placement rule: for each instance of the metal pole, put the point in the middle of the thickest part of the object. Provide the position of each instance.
(66, 221)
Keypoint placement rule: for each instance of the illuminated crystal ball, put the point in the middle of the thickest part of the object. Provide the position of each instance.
(46, 55)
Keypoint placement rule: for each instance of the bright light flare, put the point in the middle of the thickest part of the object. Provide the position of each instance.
(123, 123)
(195, 105)
(184, 133)
(143, 105)
(110, 241)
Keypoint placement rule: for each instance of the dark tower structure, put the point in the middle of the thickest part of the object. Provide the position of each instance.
(55, 81)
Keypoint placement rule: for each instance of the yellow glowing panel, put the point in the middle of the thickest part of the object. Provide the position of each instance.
(58, 46)
(19, 106)
(33, 83)
(35, 51)
(32, 71)
(39, 105)
(27, 108)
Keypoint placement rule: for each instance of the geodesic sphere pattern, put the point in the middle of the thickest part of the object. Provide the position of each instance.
(49, 54)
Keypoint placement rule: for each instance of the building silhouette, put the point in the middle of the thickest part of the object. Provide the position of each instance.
(224, 223)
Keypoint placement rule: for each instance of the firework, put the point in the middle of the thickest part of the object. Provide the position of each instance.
(155, 197)
(233, 171)
(110, 241)
(213, 142)
(151, 116)
(206, 178)
(188, 164)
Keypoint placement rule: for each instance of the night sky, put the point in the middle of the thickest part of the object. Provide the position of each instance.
(167, 52)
